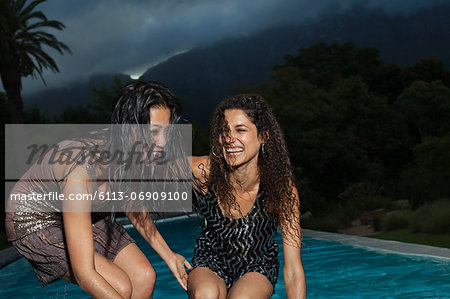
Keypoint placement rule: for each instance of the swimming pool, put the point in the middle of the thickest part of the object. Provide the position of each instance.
(333, 270)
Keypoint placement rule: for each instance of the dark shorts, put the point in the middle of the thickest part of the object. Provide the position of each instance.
(47, 253)
(231, 272)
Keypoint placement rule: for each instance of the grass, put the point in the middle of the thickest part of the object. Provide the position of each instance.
(403, 235)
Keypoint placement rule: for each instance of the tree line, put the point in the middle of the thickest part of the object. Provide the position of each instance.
(361, 132)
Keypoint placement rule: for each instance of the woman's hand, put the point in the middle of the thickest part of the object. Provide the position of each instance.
(144, 224)
(177, 265)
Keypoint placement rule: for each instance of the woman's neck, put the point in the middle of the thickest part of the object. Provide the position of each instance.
(245, 177)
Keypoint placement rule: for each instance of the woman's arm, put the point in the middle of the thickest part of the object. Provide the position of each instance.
(144, 224)
(294, 276)
(80, 242)
(200, 170)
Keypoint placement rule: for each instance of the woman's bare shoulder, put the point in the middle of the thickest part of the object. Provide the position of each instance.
(200, 165)
(200, 170)
(71, 158)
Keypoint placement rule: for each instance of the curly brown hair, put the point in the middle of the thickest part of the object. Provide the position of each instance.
(274, 166)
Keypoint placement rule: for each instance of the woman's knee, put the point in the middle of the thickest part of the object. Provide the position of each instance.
(138, 268)
(144, 279)
(240, 296)
(205, 291)
(146, 275)
(124, 288)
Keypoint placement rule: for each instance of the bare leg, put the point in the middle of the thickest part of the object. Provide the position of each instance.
(251, 285)
(205, 284)
(113, 274)
(139, 270)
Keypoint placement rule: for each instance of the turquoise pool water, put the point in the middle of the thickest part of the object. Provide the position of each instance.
(333, 270)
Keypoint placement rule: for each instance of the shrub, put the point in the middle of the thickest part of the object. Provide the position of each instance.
(362, 197)
(396, 220)
(327, 223)
(432, 217)
(377, 222)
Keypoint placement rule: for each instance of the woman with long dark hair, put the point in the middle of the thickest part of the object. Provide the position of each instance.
(68, 240)
(245, 188)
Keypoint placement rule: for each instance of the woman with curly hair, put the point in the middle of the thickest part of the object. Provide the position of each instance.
(245, 188)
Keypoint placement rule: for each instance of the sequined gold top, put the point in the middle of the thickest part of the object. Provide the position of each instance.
(25, 216)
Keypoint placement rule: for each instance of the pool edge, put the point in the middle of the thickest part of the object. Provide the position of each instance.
(382, 245)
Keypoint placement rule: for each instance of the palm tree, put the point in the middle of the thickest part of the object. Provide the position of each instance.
(21, 40)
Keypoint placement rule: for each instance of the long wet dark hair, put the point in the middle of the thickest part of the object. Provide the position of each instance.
(132, 107)
(133, 103)
(276, 178)
(130, 121)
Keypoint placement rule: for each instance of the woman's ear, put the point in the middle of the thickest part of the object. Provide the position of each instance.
(264, 136)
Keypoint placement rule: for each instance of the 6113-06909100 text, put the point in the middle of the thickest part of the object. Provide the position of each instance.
(107, 196)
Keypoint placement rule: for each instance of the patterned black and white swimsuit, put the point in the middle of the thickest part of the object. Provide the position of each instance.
(234, 247)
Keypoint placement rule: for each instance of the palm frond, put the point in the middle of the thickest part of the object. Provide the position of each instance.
(34, 15)
(51, 24)
(23, 34)
(27, 10)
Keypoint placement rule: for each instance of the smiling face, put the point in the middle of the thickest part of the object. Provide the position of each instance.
(243, 143)
(159, 122)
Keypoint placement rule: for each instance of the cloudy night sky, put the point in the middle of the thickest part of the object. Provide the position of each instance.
(131, 36)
